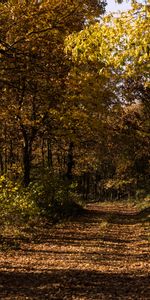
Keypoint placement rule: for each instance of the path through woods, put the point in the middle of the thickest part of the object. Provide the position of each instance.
(101, 255)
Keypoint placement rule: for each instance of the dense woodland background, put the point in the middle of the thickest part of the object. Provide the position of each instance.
(75, 107)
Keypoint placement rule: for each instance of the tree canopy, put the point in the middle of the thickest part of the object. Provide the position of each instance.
(74, 88)
(117, 43)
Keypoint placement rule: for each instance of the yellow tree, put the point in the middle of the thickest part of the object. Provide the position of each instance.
(118, 44)
(119, 47)
(33, 64)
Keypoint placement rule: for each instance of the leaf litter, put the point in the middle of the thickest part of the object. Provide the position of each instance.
(103, 254)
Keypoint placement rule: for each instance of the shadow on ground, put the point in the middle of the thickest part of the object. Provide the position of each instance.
(88, 217)
(122, 217)
(75, 261)
(72, 284)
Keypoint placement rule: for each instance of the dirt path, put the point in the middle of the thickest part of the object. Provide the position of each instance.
(102, 255)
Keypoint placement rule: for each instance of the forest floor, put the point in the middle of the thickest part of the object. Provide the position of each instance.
(102, 254)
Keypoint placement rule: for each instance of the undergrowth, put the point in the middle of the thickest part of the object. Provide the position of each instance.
(50, 200)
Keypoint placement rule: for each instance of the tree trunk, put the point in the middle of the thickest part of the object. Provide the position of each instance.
(11, 158)
(27, 150)
(49, 155)
(27, 153)
(43, 154)
(1, 164)
(70, 161)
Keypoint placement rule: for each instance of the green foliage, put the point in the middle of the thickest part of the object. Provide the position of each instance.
(115, 43)
(55, 196)
(119, 187)
(50, 197)
(16, 204)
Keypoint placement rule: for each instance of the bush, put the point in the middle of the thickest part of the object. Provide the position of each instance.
(55, 197)
(16, 203)
(51, 197)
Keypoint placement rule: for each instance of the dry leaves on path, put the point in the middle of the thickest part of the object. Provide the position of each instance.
(102, 255)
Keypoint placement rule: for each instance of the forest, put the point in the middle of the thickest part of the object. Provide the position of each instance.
(74, 150)
(74, 87)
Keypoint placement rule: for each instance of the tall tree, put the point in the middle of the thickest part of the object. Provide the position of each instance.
(33, 64)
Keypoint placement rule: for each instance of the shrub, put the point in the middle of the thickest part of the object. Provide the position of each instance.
(55, 197)
(51, 197)
(16, 203)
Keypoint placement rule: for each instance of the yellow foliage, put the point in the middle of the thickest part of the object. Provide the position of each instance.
(118, 42)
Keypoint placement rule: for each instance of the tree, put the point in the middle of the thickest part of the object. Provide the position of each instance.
(120, 45)
(33, 64)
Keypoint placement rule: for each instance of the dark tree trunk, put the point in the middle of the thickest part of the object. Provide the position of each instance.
(11, 158)
(43, 154)
(27, 150)
(1, 164)
(5, 152)
(70, 161)
(49, 155)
